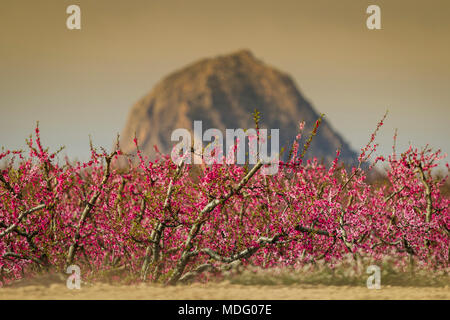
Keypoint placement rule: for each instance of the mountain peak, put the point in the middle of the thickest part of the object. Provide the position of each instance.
(242, 54)
(223, 91)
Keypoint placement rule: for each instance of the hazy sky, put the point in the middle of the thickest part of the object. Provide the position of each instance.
(83, 82)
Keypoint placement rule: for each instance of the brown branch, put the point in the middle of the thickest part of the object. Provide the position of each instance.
(244, 254)
(157, 233)
(200, 269)
(393, 194)
(429, 208)
(87, 210)
(186, 255)
(20, 218)
(9, 255)
(313, 231)
(9, 187)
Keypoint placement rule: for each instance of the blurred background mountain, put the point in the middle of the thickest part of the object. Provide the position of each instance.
(223, 92)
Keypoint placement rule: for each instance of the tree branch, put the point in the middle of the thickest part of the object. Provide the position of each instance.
(186, 255)
(20, 218)
(88, 208)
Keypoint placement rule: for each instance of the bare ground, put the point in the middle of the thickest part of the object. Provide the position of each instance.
(48, 289)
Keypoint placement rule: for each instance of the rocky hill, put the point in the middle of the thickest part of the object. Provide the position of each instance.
(223, 92)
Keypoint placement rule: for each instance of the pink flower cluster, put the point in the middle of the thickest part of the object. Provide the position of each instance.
(171, 223)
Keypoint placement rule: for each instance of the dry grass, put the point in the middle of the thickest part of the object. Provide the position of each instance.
(223, 290)
(351, 276)
(318, 282)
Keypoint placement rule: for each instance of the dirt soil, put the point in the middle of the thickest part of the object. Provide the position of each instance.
(48, 289)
